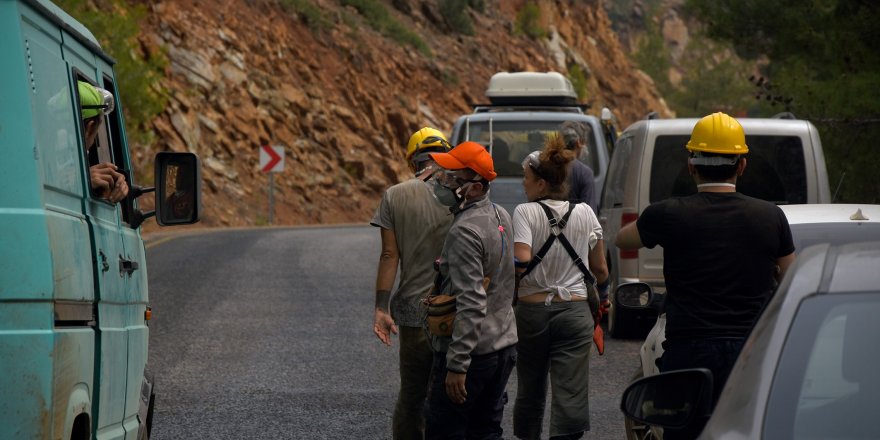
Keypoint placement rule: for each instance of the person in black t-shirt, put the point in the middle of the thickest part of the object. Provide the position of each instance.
(723, 252)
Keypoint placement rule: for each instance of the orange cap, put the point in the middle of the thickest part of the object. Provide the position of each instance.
(467, 155)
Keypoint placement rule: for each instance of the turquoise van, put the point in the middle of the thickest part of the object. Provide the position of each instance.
(74, 308)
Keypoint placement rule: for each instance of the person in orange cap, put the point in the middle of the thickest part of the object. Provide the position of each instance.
(471, 366)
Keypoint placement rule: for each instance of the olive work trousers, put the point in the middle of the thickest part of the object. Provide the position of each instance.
(554, 343)
(416, 357)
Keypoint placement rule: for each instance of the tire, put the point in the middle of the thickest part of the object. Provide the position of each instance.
(638, 431)
(152, 406)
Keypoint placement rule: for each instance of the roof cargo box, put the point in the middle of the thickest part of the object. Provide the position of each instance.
(531, 88)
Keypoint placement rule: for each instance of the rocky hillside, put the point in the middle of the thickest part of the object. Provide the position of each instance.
(343, 99)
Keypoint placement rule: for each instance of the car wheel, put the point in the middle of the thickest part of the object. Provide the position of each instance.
(637, 430)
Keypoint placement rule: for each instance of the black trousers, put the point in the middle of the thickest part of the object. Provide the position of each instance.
(716, 354)
(479, 417)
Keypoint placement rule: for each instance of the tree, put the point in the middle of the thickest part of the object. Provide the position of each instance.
(824, 65)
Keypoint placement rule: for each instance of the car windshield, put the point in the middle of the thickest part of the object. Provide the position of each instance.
(827, 382)
(775, 170)
(512, 141)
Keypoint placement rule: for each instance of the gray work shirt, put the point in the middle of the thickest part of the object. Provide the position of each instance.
(419, 224)
(476, 248)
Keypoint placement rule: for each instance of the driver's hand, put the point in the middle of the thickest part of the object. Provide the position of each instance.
(107, 182)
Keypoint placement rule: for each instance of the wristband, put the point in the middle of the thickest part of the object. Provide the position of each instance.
(382, 299)
(520, 264)
(603, 290)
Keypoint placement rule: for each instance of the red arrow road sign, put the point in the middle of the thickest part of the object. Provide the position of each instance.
(271, 158)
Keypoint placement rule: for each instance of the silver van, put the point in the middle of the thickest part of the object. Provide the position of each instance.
(786, 165)
(525, 108)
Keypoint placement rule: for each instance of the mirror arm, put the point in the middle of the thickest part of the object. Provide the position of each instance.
(136, 191)
(138, 217)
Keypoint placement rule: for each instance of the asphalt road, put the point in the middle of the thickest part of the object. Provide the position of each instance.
(266, 334)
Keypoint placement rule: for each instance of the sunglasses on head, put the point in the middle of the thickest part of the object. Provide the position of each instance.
(431, 140)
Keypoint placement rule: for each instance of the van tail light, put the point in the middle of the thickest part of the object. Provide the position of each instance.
(628, 254)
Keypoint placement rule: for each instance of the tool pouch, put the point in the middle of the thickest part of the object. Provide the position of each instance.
(441, 314)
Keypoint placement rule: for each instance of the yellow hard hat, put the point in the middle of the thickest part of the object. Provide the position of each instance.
(426, 137)
(718, 133)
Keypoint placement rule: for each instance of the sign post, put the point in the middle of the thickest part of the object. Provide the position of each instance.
(271, 161)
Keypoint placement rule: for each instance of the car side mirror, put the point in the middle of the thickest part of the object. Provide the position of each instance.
(633, 295)
(675, 399)
(178, 188)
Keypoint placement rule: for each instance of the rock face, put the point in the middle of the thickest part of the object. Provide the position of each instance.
(343, 100)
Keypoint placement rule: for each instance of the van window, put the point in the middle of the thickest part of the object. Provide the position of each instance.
(512, 141)
(775, 170)
(117, 148)
(106, 146)
(614, 190)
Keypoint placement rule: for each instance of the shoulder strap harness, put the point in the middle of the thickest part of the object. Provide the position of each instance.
(559, 225)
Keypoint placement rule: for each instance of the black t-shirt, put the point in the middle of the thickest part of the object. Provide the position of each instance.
(719, 260)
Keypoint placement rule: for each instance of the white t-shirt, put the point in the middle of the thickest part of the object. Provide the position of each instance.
(557, 273)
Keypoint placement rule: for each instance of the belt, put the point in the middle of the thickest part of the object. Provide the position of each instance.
(542, 296)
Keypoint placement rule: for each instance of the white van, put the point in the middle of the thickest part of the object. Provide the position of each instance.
(786, 165)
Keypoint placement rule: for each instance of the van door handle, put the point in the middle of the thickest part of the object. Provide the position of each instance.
(127, 266)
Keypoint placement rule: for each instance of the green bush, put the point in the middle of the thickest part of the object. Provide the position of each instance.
(311, 14)
(478, 5)
(380, 19)
(448, 77)
(528, 21)
(455, 14)
(116, 25)
(578, 80)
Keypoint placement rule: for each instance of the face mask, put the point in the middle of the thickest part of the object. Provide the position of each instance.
(445, 196)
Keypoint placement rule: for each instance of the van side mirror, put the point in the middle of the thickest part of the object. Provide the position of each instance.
(178, 191)
(633, 295)
(178, 188)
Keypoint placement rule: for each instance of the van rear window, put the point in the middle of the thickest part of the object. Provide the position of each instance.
(513, 141)
(775, 170)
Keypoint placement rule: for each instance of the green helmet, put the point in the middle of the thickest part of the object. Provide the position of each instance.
(94, 101)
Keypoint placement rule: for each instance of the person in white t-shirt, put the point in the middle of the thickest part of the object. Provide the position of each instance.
(553, 315)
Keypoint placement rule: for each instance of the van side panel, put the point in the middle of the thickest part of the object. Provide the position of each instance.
(27, 268)
(73, 378)
(650, 261)
(823, 190)
(60, 159)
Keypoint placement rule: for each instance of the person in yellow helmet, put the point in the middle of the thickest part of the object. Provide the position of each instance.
(413, 227)
(723, 252)
(105, 179)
